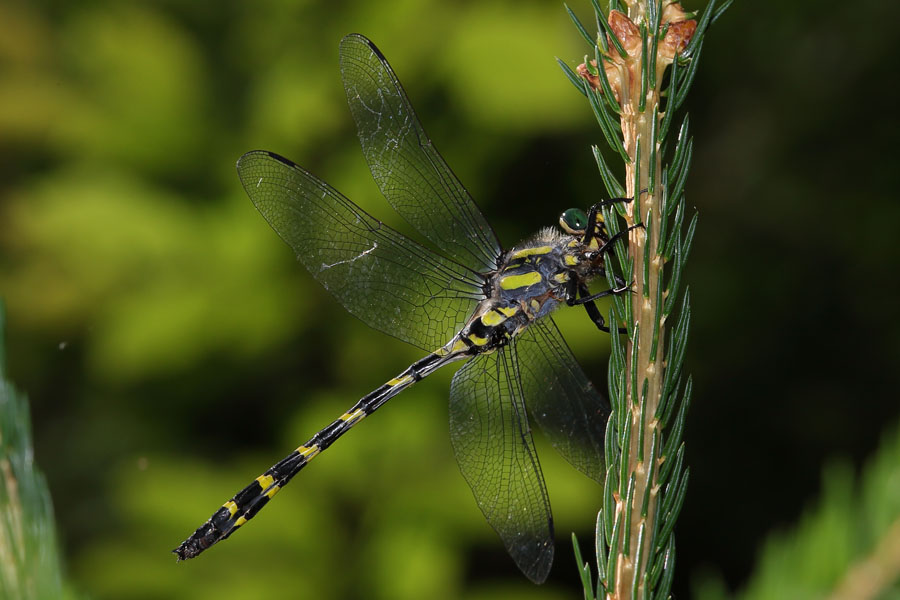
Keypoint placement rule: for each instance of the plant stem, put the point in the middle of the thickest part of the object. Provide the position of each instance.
(639, 119)
(646, 476)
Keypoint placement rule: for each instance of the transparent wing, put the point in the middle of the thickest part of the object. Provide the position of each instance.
(388, 281)
(561, 399)
(411, 173)
(495, 451)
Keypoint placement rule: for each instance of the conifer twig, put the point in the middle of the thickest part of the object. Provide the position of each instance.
(634, 102)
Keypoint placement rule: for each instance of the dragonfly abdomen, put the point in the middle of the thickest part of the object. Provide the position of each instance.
(250, 500)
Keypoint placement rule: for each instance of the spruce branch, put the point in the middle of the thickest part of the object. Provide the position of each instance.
(634, 104)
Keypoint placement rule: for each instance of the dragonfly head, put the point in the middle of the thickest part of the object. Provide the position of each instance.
(573, 221)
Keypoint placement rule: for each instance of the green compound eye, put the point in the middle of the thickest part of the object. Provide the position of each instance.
(573, 220)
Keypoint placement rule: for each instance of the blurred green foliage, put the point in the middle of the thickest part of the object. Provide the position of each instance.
(847, 546)
(30, 568)
(173, 349)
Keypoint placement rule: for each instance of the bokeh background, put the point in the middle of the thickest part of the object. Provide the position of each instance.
(173, 349)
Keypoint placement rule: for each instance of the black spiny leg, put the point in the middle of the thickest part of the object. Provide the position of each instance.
(607, 245)
(587, 300)
(576, 288)
(595, 217)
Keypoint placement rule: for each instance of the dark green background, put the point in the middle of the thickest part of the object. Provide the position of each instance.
(173, 350)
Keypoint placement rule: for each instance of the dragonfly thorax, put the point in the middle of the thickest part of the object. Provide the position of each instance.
(531, 281)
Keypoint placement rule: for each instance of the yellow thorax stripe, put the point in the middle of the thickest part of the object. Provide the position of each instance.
(531, 252)
(478, 341)
(509, 311)
(514, 282)
(492, 318)
(498, 315)
(232, 507)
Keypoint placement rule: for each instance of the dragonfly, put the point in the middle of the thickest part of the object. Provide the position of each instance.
(467, 300)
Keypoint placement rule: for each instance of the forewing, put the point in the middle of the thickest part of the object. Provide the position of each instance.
(495, 451)
(411, 173)
(385, 279)
(561, 399)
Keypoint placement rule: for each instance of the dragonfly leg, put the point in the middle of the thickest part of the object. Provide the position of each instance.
(595, 217)
(593, 211)
(587, 300)
(607, 245)
(608, 202)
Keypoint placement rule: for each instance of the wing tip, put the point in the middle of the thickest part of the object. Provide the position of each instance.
(539, 569)
(285, 161)
(253, 154)
(358, 37)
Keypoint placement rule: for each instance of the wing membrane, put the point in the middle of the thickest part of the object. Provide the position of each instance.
(411, 173)
(561, 399)
(495, 452)
(385, 279)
